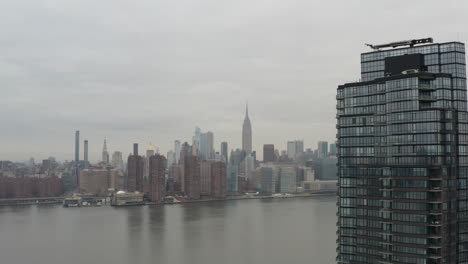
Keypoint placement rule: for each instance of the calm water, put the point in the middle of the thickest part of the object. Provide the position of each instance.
(300, 230)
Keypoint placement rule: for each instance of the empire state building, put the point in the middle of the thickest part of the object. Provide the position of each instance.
(247, 133)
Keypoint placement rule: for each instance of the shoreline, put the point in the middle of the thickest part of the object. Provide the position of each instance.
(59, 200)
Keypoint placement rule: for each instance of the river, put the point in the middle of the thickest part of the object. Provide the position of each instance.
(294, 230)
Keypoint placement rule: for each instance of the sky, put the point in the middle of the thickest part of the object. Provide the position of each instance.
(153, 70)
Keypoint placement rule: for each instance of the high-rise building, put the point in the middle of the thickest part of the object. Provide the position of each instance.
(232, 179)
(185, 151)
(269, 153)
(135, 171)
(85, 150)
(287, 179)
(322, 149)
(291, 150)
(117, 161)
(267, 184)
(177, 148)
(196, 141)
(333, 149)
(224, 151)
(249, 167)
(176, 175)
(192, 177)
(247, 133)
(218, 179)
(77, 146)
(171, 158)
(150, 150)
(157, 177)
(105, 154)
(205, 177)
(402, 156)
(206, 146)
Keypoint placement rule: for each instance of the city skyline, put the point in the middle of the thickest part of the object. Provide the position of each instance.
(282, 58)
(104, 154)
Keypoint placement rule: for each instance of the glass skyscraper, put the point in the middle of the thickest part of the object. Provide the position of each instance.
(403, 157)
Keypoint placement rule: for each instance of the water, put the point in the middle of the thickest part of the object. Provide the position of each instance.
(298, 230)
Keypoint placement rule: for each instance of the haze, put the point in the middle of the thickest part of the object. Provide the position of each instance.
(150, 71)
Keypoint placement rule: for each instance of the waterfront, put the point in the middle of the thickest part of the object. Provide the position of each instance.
(299, 230)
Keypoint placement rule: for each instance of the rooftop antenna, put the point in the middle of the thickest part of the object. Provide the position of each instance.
(395, 44)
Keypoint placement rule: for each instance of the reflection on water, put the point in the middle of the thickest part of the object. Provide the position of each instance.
(253, 231)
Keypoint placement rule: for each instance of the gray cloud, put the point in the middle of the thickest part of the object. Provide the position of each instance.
(144, 71)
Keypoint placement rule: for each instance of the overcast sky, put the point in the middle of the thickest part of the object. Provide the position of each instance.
(150, 71)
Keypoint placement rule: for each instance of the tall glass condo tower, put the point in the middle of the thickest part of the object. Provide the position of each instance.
(403, 156)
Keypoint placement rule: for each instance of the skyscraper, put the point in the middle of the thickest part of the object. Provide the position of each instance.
(218, 179)
(247, 133)
(86, 152)
(117, 161)
(269, 153)
(192, 177)
(105, 154)
(157, 177)
(322, 149)
(224, 151)
(177, 148)
(77, 146)
(332, 149)
(205, 177)
(232, 179)
(402, 156)
(291, 150)
(206, 146)
(135, 171)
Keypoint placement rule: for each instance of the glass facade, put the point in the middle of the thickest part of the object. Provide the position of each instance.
(402, 147)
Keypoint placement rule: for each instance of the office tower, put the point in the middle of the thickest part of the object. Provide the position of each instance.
(171, 158)
(150, 150)
(232, 179)
(269, 153)
(117, 161)
(218, 180)
(333, 149)
(224, 151)
(77, 146)
(206, 146)
(325, 169)
(157, 177)
(249, 167)
(402, 159)
(177, 148)
(135, 171)
(192, 177)
(176, 174)
(287, 179)
(267, 181)
(235, 157)
(205, 177)
(196, 141)
(247, 133)
(291, 150)
(86, 152)
(105, 154)
(135, 149)
(185, 151)
(322, 149)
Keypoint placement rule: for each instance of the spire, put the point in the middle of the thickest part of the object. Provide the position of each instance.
(104, 148)
(247, 109)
